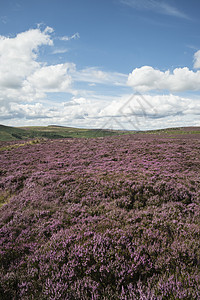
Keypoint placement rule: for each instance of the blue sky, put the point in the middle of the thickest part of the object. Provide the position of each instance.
(81, 63)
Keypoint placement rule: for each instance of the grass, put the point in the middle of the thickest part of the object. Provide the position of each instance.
(13, 146)
(177, 131)
(4, 198)
(8, 133)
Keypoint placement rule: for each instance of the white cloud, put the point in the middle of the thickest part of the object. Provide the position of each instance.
(147, 78)
(95, 75)
(197, 60)
(18, 61)
(22, 77)
(47, 29)
(30, 111)
(25, 84)
(18, 56)
(125, 112)
(54, 78)
(160, 7)
(68, 38)
(60, 51)
(18, 111)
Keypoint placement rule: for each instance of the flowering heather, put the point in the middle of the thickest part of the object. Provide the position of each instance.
(104, 218)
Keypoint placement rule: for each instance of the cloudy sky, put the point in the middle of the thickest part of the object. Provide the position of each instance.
(126, 64)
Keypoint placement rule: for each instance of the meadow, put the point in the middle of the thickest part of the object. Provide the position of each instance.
(101, 218)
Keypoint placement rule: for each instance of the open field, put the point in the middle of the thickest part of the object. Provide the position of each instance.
(101, 218)
(51, 132)
(8, 133)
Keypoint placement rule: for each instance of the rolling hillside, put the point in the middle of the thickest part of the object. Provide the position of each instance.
(8, 133)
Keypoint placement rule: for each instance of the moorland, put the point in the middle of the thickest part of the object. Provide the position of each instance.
(93, 214)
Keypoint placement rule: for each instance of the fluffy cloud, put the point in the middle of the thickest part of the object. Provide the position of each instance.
(25, 83)
(22, 77)
(18, 111)
(53, 78)
(147, 78)
(126, 112)
(18, 56)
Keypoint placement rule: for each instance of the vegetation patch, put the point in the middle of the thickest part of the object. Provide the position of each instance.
(101, 218)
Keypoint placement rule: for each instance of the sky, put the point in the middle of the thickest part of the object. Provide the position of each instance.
(119, 64)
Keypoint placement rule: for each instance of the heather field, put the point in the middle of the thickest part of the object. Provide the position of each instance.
(100, 218)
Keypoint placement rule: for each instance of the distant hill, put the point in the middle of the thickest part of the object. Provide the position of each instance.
(8, 133)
